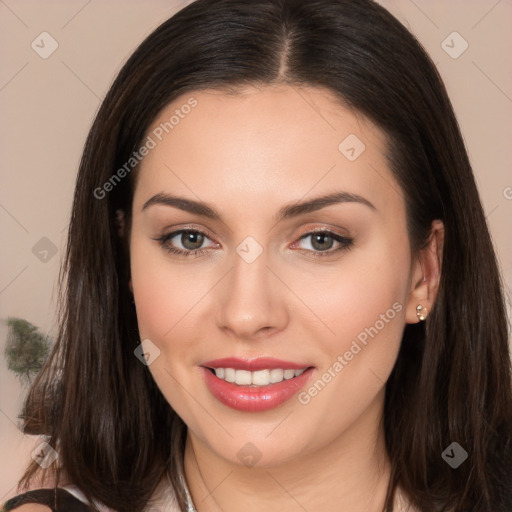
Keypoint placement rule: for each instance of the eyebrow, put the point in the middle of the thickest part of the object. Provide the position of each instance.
(286, 212)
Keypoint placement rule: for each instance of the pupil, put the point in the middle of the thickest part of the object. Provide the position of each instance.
(189, 237)
(322, 238)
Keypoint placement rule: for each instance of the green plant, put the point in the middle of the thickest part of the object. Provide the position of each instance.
(26, 349)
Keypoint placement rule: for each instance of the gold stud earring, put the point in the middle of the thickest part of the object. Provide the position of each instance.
(421, 312)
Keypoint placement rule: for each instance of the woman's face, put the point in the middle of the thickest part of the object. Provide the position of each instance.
(262, 285)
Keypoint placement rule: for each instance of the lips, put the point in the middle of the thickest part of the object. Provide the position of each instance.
(229, 381)
(253, 365)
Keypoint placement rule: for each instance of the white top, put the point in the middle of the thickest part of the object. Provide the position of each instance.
(79, 495)
(169, 504)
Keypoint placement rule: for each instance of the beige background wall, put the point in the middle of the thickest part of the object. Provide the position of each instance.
(47, 106)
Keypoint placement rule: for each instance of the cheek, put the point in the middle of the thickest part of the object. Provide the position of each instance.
(164, 303)
(154, 297)
(361, 305)
(360, 299)
(172, 300)
(159, 295)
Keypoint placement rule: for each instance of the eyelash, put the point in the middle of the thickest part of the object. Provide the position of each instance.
(346, 243)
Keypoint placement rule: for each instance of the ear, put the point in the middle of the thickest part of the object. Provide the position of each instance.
(426, 273)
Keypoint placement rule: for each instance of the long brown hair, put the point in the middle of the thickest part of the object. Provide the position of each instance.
(452, 382)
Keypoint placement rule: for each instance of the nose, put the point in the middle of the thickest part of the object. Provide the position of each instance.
(252, 300)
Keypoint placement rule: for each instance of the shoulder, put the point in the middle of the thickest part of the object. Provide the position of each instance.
(71, 499)
(46, 500)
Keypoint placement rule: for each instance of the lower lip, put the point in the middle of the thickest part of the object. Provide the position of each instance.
(254, 398)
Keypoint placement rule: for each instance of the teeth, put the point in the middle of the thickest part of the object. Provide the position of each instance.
(258, 378)
(276, 375)
(229, 375)
(289, 374)
(243, 378)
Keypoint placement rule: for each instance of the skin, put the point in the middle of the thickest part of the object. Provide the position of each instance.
(248, 155)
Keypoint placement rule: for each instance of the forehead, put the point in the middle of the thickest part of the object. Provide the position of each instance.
(269, 142)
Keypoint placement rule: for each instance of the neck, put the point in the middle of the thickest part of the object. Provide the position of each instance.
(350, 473)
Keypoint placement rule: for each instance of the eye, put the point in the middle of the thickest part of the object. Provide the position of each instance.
(191, 240)
(322, 242)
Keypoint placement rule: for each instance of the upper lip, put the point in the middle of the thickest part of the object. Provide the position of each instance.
(253, 365)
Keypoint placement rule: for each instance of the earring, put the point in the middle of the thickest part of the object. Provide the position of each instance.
(421, 312)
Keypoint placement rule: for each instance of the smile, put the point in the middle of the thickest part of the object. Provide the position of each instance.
(254, 385)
